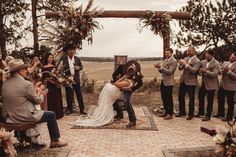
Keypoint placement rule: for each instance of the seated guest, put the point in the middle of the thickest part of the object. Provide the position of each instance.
(19, 98)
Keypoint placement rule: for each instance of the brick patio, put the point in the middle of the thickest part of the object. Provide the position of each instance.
(177, 133)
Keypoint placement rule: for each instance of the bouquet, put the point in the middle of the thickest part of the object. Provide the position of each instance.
(7, 140)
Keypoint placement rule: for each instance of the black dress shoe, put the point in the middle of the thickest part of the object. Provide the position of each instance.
(118, 117)
(189, 118)
(82, 112)
(226, 119)
(131, 124)
(67, 112)
(206, 119)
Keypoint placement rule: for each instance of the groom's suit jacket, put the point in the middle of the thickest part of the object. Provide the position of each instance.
(168, 70)
(119, 72)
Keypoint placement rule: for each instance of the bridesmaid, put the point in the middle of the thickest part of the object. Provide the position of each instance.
(54, 96)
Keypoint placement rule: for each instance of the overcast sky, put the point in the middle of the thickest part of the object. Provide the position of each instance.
(120, 36)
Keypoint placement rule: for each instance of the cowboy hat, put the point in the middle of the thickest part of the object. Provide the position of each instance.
(17, 64)
(132, 64)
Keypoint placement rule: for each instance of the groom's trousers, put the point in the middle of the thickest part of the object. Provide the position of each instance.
(130, 110)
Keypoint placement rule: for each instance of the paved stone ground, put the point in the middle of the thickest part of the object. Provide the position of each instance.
(177, 133)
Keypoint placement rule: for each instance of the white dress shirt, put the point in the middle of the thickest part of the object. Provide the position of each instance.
(71, 65)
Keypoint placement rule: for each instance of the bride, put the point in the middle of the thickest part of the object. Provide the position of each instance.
(104, 113)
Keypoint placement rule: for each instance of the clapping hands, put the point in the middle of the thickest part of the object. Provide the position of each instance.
(40, 89)
(225, 70)
(158, 65)
(202, 71)
(182, 62)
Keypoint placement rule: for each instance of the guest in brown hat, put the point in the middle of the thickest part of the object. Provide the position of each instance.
(19, 97)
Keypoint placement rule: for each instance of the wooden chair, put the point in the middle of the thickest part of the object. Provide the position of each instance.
(19, 130)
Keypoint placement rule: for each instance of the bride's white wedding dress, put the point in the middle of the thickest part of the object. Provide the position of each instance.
(104, 112)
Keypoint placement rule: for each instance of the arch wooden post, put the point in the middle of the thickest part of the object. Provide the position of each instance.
(166, 41)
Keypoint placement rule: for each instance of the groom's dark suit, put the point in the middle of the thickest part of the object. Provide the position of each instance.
(127, 94)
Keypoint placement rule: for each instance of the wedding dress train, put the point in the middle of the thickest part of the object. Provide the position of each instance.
(104, 112)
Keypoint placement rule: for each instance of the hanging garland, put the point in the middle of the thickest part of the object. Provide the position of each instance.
(159, 24)
(74, 25)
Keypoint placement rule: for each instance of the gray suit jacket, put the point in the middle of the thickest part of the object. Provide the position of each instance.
(189, 75)
(228, 81)
(168, 71)
(19, 97)
(210, 78)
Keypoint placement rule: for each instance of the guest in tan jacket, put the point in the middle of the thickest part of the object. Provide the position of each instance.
(19, 99)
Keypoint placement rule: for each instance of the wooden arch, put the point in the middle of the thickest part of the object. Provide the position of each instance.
(133, 14)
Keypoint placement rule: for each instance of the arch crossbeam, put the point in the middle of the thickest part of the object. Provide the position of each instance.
(128, 14)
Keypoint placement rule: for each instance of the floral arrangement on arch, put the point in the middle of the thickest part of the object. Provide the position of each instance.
(7, 141)
(73, 26)
(158, 23)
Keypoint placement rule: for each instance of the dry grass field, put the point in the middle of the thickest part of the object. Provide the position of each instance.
(101, 72)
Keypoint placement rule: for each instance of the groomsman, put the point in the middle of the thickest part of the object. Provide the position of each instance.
(227, 88)
(209, 70)
(167, 69)
(188, 81)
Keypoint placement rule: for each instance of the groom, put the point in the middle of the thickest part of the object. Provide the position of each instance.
(137, 78)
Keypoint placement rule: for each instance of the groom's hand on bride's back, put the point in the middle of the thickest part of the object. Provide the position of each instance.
(126, 89)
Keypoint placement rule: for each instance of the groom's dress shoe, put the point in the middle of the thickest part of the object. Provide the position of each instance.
(82, 112)
(67, 112)
(131, 124)
(118, 117)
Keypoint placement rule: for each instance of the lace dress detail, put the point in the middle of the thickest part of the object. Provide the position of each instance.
(104, 113)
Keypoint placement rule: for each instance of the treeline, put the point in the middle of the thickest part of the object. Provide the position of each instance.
(111, 59)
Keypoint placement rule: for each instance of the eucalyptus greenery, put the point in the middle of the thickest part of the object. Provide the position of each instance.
(158, 23)
(74, 26)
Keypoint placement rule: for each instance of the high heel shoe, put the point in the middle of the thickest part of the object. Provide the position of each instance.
(131, 124)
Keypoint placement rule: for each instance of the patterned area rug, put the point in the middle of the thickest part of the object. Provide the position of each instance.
(145, 121)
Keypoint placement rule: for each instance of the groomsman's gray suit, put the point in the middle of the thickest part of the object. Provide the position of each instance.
(228, 81)
(188, 82)
(227, 88)
(168, 70)
(210, 83)
(189, 75)
(210, 78)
